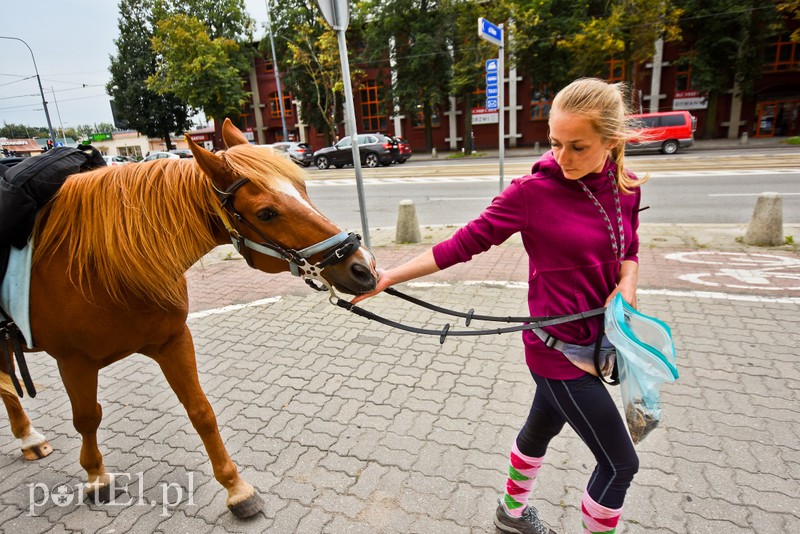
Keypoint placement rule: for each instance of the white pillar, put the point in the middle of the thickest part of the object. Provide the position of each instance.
(655, 77)
(736, 113)
(257, 106)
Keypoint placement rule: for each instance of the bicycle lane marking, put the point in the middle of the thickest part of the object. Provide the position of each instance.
(741, 270)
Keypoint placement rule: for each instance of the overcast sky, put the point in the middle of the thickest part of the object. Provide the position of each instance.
(72, 42)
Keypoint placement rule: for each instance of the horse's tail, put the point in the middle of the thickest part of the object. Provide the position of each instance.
(6, 386)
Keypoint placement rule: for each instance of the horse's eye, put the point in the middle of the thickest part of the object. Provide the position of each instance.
(266, 215)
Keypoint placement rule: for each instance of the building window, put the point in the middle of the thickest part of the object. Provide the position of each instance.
(268, 66)
(616, 70)
(372, 119)
(781, 55)
(275, 106)
(683, 76)
(130, 151)
(541, 101)
(418, 118)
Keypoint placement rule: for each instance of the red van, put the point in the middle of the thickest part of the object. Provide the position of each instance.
(665, 131)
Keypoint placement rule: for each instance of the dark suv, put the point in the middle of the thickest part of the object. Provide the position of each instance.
(375, 149)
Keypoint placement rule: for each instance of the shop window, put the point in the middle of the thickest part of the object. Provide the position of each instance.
(130, 151)
(615, 70)
(372, 117)
(418, 118)
(541, 101)
(275, 106)
(781, 55)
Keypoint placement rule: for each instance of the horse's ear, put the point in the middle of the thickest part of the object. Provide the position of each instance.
(232, 135)
(211, 165)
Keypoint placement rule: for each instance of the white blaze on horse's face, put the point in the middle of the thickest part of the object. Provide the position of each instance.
(288, 189)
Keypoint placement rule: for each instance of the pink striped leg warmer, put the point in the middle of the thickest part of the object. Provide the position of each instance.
(597, 519)
(521, 473)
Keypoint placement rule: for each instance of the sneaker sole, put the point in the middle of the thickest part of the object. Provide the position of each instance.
(505, 528)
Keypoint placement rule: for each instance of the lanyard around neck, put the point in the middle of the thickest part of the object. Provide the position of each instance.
(617, 247)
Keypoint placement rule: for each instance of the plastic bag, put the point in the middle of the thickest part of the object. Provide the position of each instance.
(646, 359)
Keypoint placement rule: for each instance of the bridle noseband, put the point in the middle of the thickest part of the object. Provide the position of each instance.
(336, 248)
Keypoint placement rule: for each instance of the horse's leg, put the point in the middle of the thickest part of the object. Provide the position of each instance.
(34, 445)
(80, 381)
(177, 362)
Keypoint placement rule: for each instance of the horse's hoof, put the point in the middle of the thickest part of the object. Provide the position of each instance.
(37, 452)
(102, 494)
(248, 507)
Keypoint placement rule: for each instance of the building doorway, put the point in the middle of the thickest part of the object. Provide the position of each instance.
(777, 118)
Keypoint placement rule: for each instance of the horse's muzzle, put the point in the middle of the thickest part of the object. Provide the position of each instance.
(355, 275)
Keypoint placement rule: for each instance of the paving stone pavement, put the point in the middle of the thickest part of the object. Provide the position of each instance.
(346, 426)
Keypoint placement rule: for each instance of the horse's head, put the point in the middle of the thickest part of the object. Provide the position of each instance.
(272, 221)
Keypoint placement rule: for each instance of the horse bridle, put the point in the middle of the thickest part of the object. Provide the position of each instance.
(336, 248)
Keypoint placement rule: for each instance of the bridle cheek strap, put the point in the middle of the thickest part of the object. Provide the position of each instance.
(336, 248)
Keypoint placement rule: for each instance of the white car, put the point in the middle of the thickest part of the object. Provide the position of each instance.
(161, 155)
(113, 161)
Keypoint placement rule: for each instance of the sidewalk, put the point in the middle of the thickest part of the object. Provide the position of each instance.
(347, 426)
(699, 144)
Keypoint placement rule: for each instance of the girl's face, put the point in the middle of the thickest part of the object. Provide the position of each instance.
(577, 147)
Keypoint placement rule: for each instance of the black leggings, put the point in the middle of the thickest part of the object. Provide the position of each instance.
(586, 405)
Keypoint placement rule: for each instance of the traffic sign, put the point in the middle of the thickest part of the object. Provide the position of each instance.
(492, 104)
(490, 32)
(491, 78)
(491, 90)
(336, 13)
(491, 65)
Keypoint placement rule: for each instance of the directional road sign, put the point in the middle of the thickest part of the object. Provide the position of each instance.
(490, 32)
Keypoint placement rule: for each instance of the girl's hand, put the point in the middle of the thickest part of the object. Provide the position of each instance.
(384, 281)
(628, 293)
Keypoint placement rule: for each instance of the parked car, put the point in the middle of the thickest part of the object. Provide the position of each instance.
(160, 155)
(300, 153)
(666, 131)
(113, 161)
(375, 149)
(182, 152)
(405, 149)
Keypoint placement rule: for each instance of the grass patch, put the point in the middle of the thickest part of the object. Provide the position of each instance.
(793, 140)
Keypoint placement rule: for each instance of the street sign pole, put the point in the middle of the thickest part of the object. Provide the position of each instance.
(494, 34)
(501, 104)
(337, 15)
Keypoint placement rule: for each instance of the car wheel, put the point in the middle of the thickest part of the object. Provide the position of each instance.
(669, 147)
(371, 160)
(322, 163)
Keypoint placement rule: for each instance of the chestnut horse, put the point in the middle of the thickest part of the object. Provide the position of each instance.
(107, 280)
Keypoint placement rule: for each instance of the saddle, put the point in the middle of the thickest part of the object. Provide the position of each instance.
(24, 189)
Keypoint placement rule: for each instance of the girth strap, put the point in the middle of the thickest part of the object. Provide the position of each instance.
(10, 334)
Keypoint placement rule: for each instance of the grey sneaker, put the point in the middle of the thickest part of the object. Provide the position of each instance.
(529, 523)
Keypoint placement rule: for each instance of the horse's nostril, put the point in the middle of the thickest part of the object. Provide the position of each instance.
(362, 274)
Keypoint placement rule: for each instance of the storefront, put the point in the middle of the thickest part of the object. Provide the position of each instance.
(777, 117)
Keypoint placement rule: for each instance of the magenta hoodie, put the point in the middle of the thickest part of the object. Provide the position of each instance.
(572, 267)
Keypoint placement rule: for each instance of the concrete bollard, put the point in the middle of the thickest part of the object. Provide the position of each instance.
(434, 155)
(744, 139)
(407, 224)
(766, 224)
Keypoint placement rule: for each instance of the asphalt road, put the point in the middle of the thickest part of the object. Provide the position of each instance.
(694, 188)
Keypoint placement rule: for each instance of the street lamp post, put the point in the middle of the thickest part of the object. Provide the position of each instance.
(277, 74)
(41, 91)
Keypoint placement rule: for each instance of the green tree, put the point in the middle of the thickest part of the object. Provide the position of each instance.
(725, 41)
(308, 58)
(536, 39)
(419, 31)
(144, 110)
(791, 8)
(470, 54)
(626, 29)
(198, 57)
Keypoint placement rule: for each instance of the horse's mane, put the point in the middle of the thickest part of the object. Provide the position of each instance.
(135, 229)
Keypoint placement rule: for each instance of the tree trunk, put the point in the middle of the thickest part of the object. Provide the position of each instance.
(711, 116)
(426, 111)
(468, 148)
